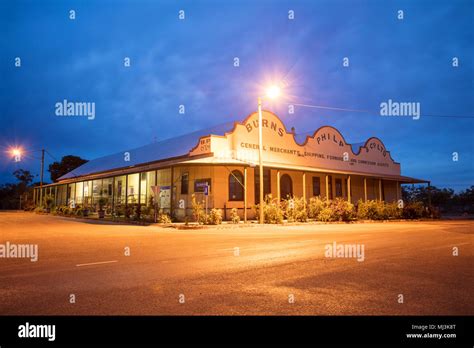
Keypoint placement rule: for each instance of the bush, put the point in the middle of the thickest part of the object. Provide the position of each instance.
(342, 210)
(326, 214)
(316, 204)
(272, 212)
(370, 210)
(392, 211)
(164, 218)
(119, 210)
(215, 217)
(198, 212)
(295, 209)
(48, 201)
(38, 210)
(413, 210)
(79, 211)
(234, 216)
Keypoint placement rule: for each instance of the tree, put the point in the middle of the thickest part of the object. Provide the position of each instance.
(67, 164)
(24, 176)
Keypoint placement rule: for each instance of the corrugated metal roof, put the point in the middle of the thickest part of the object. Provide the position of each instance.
(168, 148)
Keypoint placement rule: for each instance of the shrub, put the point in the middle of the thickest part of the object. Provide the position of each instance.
(316, 204)
(164, 218)
(413, 210)
(342, 210)
(198, 212)
(234, 216)
(119, 210)
(48, 201)
(326, 214)
(370, 210)
(215, 217)
(272, 212)
(102, 202)
(38, 210)
(392, 211)
(295, 209)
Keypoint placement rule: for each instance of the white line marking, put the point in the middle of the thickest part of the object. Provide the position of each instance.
(95, 263)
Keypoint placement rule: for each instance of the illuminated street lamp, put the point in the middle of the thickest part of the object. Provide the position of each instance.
(16, 153)
(272, 93)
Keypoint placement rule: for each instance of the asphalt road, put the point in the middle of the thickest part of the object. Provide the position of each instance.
(201, 272)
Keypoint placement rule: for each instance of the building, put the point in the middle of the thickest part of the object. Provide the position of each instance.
(220, 167)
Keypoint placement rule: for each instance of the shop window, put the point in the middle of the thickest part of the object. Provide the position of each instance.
(286, 187)
(236, 189)
(316, 186)
(338, 188)
(184, 183)
(329, 194)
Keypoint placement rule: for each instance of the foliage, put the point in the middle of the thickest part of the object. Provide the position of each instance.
(215, 217)
(392, 211)
(316, 204)
(413, 210)
(272, 212)
(342, 210)
(67, 164)
(234, 216)
(164, 218)
(102, 202)
(370, 210)
(198, 211)
(295, 209)
(23, 176)
(326, 214)
(48, 200)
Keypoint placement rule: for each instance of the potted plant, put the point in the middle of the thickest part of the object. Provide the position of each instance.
(85, 209)
(48, 200)
(102, 202)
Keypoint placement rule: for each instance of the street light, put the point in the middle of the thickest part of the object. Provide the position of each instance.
(272, 92)
(16, 153)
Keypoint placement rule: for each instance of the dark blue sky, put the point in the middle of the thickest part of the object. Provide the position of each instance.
(191, 62)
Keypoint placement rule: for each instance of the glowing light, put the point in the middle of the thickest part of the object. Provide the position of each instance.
(273, 92)
(16, 153)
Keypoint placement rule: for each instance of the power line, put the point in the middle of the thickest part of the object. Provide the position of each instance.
(371, 111)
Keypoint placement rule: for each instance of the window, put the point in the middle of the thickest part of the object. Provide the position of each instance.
(236, 189)
(286, 187)
(132, 188)
(329, 193)
(316, 186)
(151, 181)
(79, 192)
(184, 183)
(143, 187)
(338, 188)
(119, 190)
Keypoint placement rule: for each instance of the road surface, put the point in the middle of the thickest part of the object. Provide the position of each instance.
(270, 270)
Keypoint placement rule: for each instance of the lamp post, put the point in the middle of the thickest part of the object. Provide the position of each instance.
(260, 159)
(17, 153)
(272, 93)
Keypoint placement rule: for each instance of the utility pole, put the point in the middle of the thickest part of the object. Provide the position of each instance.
(41, 177)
